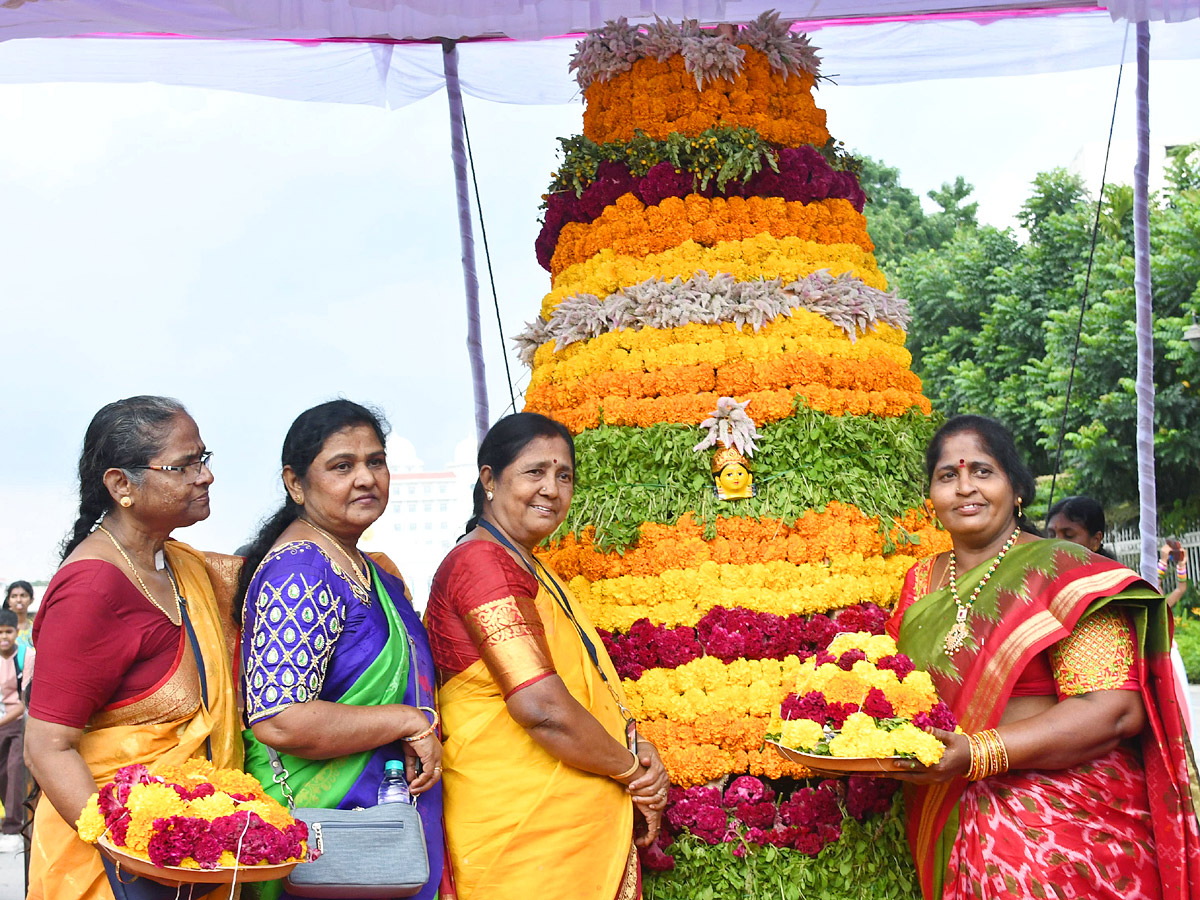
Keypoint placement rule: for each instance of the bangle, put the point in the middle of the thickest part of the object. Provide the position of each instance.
(1181, 571)
(428, 731)
(1162, 566)
(989, 756)
(637, 764)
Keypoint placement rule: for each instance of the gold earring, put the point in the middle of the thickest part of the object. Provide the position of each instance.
(1018, 507)
(126, 502)
(489, 495)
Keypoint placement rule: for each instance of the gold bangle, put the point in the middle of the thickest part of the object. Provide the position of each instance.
(1003, 753)
(637, 764)
(428, 731)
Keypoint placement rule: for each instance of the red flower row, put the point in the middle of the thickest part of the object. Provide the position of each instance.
(730, 634)
(749, 812)
(804, 175)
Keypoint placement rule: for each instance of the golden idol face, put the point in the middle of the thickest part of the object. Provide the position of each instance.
(734, 482)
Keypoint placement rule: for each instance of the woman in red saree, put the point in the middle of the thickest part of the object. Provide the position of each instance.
(1071, 777)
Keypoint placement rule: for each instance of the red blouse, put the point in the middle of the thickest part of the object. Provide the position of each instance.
(481, 607)
(99, 641)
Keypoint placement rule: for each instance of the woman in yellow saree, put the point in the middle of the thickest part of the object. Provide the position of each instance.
(134, 665)
(542, 791)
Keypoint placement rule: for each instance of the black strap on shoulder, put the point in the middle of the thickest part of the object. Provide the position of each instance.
(199, 657)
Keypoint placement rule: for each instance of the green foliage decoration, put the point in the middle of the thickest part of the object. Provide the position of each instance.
(871, 861)
(803, 462)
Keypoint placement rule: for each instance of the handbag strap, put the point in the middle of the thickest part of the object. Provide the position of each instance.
(196, 654)
(279, 775)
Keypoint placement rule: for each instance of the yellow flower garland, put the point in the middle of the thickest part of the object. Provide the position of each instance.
(761, 256)
(659, 98)
(683, 596)
(631, 228)
(649, 349)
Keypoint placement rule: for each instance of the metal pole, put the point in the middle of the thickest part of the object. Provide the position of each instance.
(1144, 384)
(458, 153)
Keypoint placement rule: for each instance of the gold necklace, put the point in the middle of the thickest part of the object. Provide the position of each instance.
(362, 579)
(956, 637)
(175, 619)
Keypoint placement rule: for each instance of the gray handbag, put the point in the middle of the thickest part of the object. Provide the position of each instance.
(362, 854)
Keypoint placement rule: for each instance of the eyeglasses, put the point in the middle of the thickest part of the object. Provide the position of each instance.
(193, 469)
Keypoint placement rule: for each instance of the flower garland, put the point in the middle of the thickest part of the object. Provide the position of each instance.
(692, 408)
(606, 52)
(845, 302)
(729, 162)
(630, 227)
(812, 538)
(193, 815)
(751, 259)
(872, 463)
(717, 344)
(730, 634)
(660, 98)
(683, 596)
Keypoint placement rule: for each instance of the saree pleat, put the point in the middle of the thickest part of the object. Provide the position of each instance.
(517, 819)
(63, 867)
(1035, 598)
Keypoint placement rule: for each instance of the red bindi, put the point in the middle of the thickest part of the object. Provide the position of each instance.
(962, 463)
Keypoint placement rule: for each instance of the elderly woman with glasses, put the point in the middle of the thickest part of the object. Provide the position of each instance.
(133, 660)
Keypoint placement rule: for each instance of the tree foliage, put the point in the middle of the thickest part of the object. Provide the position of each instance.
(996, 315)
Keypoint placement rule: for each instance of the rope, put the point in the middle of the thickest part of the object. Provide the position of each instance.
(487, 255)
(1087, 282)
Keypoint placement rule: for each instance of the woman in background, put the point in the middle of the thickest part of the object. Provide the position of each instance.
(19, 598)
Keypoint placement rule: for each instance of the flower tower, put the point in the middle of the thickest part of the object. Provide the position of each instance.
(713, 291)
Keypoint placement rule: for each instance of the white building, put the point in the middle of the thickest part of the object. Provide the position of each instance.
(426, 513)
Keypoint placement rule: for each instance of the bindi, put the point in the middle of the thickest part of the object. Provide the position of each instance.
(962, 463)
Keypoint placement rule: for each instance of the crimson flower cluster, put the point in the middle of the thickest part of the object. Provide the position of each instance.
(245, 834)
(804, 176)
(731, 634)
(749, 812)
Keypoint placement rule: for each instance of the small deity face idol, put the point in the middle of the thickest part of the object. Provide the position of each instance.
(734, 482)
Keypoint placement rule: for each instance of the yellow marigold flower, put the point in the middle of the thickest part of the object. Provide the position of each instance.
(212, 807)
(879, 646)
(909, 739)
(801, 734)
(91, 823)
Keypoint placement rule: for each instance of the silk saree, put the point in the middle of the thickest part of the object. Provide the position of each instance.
(308, 636)
(1121, 825)
(166, 725)
(519, 821)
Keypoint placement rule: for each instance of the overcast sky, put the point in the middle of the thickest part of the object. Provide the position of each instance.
(253, 257)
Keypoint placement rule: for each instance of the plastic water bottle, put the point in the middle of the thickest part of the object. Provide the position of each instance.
(393, 788)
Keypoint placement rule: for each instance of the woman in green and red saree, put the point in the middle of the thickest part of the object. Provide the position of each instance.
(337, 673)
(1071, 777)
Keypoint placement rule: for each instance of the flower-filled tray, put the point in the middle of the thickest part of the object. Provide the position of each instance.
(861, 706)
(176, 876)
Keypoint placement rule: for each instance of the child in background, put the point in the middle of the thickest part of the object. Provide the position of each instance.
(18, 598)
(16, 670)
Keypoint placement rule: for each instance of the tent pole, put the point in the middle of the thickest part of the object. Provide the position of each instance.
(1144, 384)
(458, 154)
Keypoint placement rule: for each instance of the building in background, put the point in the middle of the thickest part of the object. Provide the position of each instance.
(426, 512)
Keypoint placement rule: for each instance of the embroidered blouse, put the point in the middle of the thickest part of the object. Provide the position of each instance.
(297, 605)
(481, 606)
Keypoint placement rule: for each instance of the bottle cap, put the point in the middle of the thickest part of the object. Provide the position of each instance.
(393, 765)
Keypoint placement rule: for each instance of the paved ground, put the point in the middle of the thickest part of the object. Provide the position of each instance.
(12, 865)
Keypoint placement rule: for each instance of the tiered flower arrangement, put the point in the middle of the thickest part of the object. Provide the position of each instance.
(194, 816)
(861, 698)
(707, 250)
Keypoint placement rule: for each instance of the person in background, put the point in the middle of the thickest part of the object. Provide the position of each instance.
(16, 668)
(133, 666)
(1080, 520)
(547, 782)
(1173, 554)
(19, 598)
(1071, 776)
(337, 675)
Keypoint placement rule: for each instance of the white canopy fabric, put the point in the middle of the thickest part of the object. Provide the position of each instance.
(520, 19)
(535, 72)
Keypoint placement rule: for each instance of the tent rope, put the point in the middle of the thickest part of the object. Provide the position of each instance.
(487, 255)
(1087, 281)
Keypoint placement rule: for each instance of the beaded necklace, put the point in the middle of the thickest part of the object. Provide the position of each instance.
(173, 619)
(957, 636)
